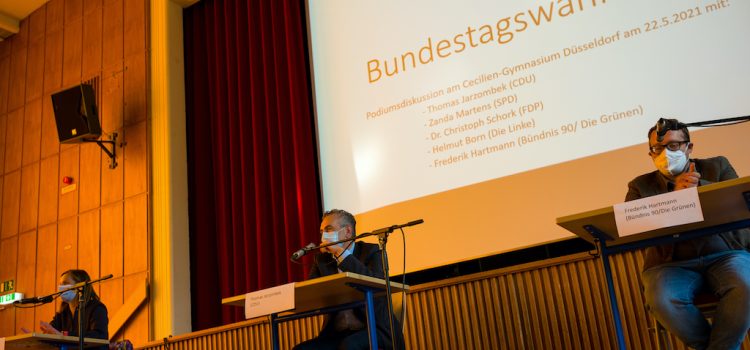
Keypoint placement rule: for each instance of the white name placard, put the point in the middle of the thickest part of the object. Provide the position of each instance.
(665, 210)
(269, 300)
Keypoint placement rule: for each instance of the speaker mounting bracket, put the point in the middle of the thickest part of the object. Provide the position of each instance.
(113, 153)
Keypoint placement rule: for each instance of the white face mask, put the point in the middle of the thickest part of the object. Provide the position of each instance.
(332, 236)
(67, 296)
(671, 163)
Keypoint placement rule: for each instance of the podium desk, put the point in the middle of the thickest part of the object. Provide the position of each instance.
(34, 341)
(327, 294)
(725, 205)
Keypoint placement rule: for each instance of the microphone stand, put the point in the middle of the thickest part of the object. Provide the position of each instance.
(382, 241)
(382, 234)
(83, 298)
(719, 122)
(661, 129)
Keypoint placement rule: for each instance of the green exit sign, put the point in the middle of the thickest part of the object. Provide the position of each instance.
(10, 298)
(7, 286)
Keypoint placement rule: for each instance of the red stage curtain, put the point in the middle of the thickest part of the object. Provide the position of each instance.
(253, 179)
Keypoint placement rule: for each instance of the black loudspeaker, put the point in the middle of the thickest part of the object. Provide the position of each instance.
(76, 115)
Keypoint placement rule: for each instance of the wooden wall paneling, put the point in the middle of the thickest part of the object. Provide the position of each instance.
(629, 319)
(8, 261)
(137, 329)
(55, 15)
(455, 314)
(112, 29)
(11, 200)
(136, 89)
(2, 183)
(14, 140)
(516, 297)
(430, 316)
(60, 44)
(3, 128)
(29, 210)
(495, 313)
(90, 176)
(35, 68)
(557, 305)
(111, 118)
(135, 158)
(485, 314)
(621, 281)
(72, 50)
(135, 27)
(635, 295)
(112, 179)
(46, 276)
(5, 48)
(529, 310)
(73, 11)
(50, 144)
(537, 298)
(26, 277)
(17, 88)
(69, 166)
(67, 244)
(414, 323)
(37, 24)
(571, 289)
(88, 243)
(53, 56)
(112, 98)
(32, 132)
(562, 305)
(440, 317)
(599, 299)
(469, 311)
(136, 235)
(549, 309)
(92, 38)
(512, 316)
(112, 295)
(112, 241)
(4, 78)
(49, 190)
(22, 37)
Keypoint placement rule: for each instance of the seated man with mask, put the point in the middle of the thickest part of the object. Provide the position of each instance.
(347, 329)
(720, 264)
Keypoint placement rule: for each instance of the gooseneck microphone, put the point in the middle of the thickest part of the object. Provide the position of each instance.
(661, 129)
(34, 300)
(300, 253)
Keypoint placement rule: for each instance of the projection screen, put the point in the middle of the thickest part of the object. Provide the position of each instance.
(489, 119)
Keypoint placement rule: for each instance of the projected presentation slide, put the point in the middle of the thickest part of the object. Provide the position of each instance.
(418, 98)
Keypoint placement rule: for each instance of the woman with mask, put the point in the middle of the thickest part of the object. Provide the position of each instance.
(95, 321)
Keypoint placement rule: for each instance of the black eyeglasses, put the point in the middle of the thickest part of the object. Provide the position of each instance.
(672, 146)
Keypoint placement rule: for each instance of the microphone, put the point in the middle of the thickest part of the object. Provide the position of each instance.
(300, 253)
(415, 222)
(661, 129)
(34, 300)
(390, 229)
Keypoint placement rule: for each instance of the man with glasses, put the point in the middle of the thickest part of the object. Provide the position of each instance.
(719, 264)
(347, 329)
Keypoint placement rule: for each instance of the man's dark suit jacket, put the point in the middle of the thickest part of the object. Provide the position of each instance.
(712, 170)
(365, 260)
